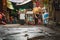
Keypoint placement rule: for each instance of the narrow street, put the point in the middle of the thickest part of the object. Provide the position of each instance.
(28, 32)
(29, 20)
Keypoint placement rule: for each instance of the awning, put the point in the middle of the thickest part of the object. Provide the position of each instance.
(27, 4)
(20, 2)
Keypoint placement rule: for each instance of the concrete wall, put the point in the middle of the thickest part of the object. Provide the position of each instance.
(57, 15)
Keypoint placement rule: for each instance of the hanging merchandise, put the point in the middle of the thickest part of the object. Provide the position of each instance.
(9, 5)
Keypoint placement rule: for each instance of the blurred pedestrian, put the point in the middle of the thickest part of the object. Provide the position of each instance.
(1, 18)
(36, 19)
(40, 18)
(14, 20)
(22, 18)
(45, 16)
(4, 18)
(11, 19)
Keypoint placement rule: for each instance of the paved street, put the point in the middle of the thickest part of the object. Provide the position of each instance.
(31, 32)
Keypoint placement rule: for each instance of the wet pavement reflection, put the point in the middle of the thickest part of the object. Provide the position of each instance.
(28, 33)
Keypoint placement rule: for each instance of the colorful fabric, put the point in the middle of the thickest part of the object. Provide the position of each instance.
(0, 16)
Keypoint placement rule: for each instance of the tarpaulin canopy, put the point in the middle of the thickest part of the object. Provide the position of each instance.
(20, 2)
(27, 4)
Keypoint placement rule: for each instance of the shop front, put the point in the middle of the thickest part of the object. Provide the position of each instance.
(26, 4)
(30, 17)
(13, 6)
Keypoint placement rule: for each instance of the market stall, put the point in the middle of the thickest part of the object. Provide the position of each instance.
(29, 17)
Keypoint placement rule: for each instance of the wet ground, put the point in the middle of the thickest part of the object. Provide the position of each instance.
(28, 32)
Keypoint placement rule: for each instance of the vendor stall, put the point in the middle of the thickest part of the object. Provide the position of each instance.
(29, 17)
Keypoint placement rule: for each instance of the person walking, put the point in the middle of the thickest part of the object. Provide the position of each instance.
(36, 19)
(11, 19)
(1, 18)
(40, 18)
(45, 16)
(22, 18)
